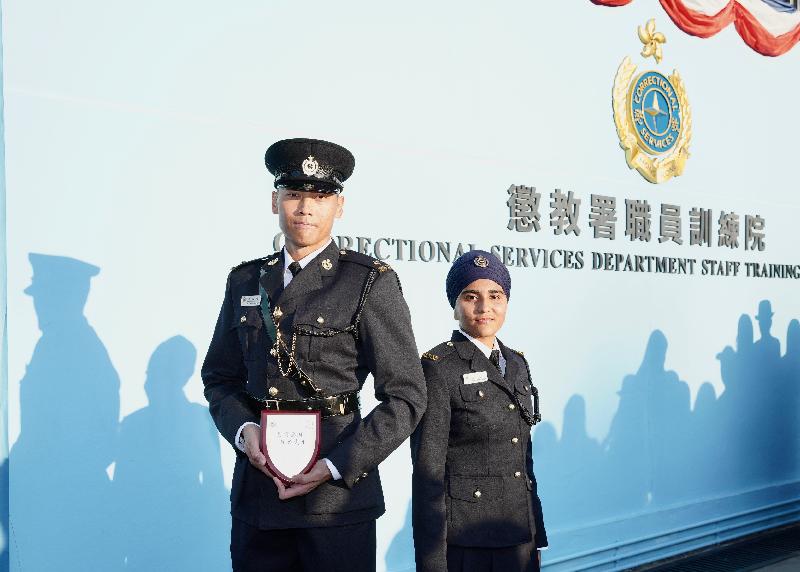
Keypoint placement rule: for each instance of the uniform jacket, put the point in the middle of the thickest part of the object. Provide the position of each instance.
(473, 482)
(347, 345)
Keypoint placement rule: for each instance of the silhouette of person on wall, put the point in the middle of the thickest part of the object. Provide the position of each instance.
(650, 432)
(69, 408)
(767, 405)
(768, 347)
(168, 486)
(791, 391)
(581, 469)
(729, 433)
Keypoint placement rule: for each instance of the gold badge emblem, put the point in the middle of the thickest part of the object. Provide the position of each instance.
(326, 264)
(481, 261)
(272, 262)
(652, 114)
(310, 166)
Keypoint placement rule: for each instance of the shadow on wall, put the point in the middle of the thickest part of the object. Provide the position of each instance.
(4, 536)
(659, 451)
(66, 513)
(168, 472)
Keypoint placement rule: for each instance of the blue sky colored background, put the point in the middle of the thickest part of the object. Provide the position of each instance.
(135, 136)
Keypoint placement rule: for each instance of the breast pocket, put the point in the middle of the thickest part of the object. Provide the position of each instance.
(472, 408)
(320, 331)
(248, 324)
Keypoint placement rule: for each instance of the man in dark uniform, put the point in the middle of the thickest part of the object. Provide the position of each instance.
(475, 505)
(301, 330)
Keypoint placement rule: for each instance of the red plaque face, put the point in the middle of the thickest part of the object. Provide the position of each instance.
(290, 441)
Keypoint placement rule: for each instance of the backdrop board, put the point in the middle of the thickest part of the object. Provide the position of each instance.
(660, 318)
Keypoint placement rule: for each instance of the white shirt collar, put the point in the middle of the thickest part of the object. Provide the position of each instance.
(481, 346)
(486, 351)
(303, 262)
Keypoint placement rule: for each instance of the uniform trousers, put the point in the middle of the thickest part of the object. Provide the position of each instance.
(520, 558)
(348, 548)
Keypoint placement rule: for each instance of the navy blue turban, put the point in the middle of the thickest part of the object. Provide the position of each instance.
(474, 265)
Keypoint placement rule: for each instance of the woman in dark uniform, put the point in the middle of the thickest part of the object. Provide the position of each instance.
(475, 507)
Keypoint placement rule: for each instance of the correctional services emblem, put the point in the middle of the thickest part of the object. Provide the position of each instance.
(310, 166)
(481, 261)
(652, 114)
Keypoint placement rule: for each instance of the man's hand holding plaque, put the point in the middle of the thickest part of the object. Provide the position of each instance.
(304, 483)
(299, 484)
(290, 443)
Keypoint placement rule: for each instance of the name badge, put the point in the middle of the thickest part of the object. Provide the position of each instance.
(251, 300)
(475, 377)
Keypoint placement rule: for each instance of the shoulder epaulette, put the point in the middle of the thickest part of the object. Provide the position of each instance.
(439, 351)
(363, 259)
(262, 260)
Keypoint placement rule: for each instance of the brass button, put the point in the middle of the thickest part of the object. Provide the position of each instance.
(517, 475)
(477, 493)
(480, 393)
(342, 251)
(320, 320)
(511, 407)
(514, 440)
(243, 319)
(273, 352)
(273, 391)
(363, 475)
(450, 343)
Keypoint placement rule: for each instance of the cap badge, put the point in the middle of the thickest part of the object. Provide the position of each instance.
(481, 261)
(310, 166)
(326, 264)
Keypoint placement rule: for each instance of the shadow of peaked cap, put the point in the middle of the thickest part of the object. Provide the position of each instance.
(309, 165)
(764, 310)
(59, 272)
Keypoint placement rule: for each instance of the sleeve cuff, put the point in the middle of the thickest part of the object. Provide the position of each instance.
(239, 440)
(332, 468)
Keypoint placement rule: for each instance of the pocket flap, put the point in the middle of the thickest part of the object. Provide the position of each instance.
(474, 391)
(321, 321)
(475, 489)
(523, 387)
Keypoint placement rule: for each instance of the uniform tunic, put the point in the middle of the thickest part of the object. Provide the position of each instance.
(345, 317)
(473, 481)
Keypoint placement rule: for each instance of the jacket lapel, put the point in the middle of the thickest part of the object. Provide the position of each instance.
(513, 366)
(477, 361)
(310, 278)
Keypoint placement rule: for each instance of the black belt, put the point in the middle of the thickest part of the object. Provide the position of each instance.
(330, 406)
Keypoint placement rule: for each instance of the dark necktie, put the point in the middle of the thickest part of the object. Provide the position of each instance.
(295, 268)
(494, 357)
